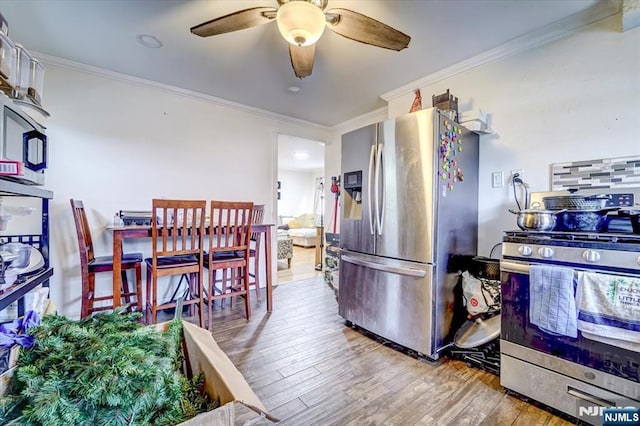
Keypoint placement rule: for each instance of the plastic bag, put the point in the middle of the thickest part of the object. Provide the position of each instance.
(480, 294)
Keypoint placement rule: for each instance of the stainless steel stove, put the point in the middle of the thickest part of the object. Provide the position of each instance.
(578, 376)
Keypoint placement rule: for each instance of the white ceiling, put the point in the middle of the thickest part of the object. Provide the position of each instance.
(289, 146)
(252, 66)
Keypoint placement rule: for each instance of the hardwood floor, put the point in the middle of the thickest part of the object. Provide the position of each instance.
(308, 368)
(302, 266)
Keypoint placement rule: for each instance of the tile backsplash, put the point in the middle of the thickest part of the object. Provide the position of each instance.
(622, 172)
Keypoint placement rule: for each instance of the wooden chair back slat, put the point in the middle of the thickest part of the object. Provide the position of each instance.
(85, 243)
(230, 226)
(258, 217)
(179, 227)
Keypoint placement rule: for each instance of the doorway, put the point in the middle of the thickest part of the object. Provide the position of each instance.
(300, 207)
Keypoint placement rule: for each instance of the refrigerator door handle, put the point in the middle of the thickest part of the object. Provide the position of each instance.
(372, 157)
(379, 205)
(413, 272)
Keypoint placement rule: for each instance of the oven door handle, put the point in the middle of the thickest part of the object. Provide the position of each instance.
(589, 398)
(518, 268)
(525, 268)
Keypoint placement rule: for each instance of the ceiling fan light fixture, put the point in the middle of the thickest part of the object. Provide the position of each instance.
(300, 22)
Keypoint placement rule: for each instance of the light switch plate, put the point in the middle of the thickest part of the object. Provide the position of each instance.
(497, 179)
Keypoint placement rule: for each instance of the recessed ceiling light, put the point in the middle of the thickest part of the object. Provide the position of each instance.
(301, 155)
(149, 41)
(293, 89)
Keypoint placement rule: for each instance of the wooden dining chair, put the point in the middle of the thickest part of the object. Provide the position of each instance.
(256, 240)
(90, 265)
(229, 234)
(177, 235)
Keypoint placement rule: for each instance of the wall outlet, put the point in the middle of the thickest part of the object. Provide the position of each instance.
(497, 179)
(520, 174)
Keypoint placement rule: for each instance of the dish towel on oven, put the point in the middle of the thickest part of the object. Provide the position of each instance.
(609, 307)
(552, 303)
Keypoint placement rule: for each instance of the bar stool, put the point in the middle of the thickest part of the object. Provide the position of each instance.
(177, 235)
(90, 265)
(229, 234)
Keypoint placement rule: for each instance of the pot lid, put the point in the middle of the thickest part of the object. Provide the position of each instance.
(476, 333)
(578, 197)
(540, 211)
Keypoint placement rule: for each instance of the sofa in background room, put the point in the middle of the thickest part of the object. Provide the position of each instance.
(301, 229)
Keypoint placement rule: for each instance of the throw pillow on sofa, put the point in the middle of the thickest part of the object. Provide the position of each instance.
(294, 224)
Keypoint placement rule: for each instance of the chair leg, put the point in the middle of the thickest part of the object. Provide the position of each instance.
(212, 286)
(211, 292)
(125, 286)
(192, 291)
(232, 285)
(154, 300)
(139, 287)
(199, 288)
(91, 294)
(256, 274)
(86, 293)
(147, 304)
(247, 299)
(224, 289)
(147, 295)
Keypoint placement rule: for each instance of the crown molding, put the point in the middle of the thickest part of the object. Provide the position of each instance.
(101, 72)
(374, 116)
(544, 35)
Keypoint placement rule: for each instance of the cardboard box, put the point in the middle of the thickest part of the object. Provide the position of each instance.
(223, 380)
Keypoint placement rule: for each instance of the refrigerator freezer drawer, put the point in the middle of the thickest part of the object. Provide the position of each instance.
(390, 298)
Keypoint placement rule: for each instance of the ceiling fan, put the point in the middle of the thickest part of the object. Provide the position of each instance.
(302, 22)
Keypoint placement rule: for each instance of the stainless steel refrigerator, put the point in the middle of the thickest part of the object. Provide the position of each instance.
(409, 208)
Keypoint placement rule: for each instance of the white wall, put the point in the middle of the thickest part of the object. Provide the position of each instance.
(296, 192)
(577, 98)
(117, 144)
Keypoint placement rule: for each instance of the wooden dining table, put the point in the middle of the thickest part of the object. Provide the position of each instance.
(121, 233)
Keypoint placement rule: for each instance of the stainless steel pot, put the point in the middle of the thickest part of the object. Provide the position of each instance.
(536, 219)
(22, 250)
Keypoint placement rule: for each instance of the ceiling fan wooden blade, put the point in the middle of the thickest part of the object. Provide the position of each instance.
(358, 27)
(235, 21)
(302, 59)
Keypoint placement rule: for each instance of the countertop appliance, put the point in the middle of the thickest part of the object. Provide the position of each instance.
(23, 145)
(136, 217)
(579, 376)
(409, 210)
